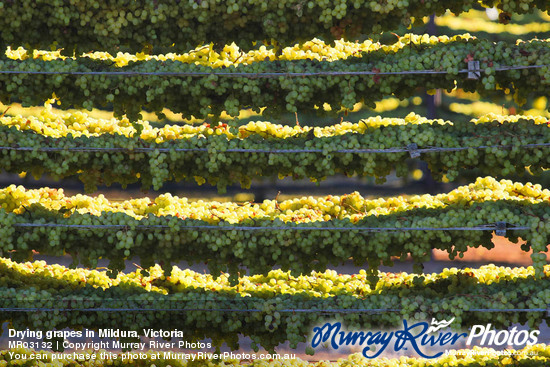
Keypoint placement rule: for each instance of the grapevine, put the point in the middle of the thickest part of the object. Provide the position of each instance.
(209, 93)
(258, 236)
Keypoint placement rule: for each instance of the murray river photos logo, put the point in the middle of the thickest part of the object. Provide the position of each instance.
(419, 336)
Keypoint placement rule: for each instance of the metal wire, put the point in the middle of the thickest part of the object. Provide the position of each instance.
(261, 75)
(487, 227)
(253, 310)
(274, 151)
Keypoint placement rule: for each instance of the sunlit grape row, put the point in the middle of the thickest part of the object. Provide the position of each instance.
(200, 153)
(300, 235)
(390, 104)
(203, 95)
(269, 299)
(232, 55)
(478, 107)
(167, 117)
(55, 123)
(517, 18)
(300, 210)
(481, 108)
(483, 25)
(469, 104)
(84, 26)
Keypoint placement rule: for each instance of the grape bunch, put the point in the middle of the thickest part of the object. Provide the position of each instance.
(102, 151)
(300, 235)
(450, 293)
(220, 89)
(176, 26)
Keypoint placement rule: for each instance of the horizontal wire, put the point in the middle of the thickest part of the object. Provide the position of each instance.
(488, 227)
(253, 310)
(262, 75)
(273, 151)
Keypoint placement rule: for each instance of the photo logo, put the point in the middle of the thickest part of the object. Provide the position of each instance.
(437, 325)
(418, 336)
(493, 337)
